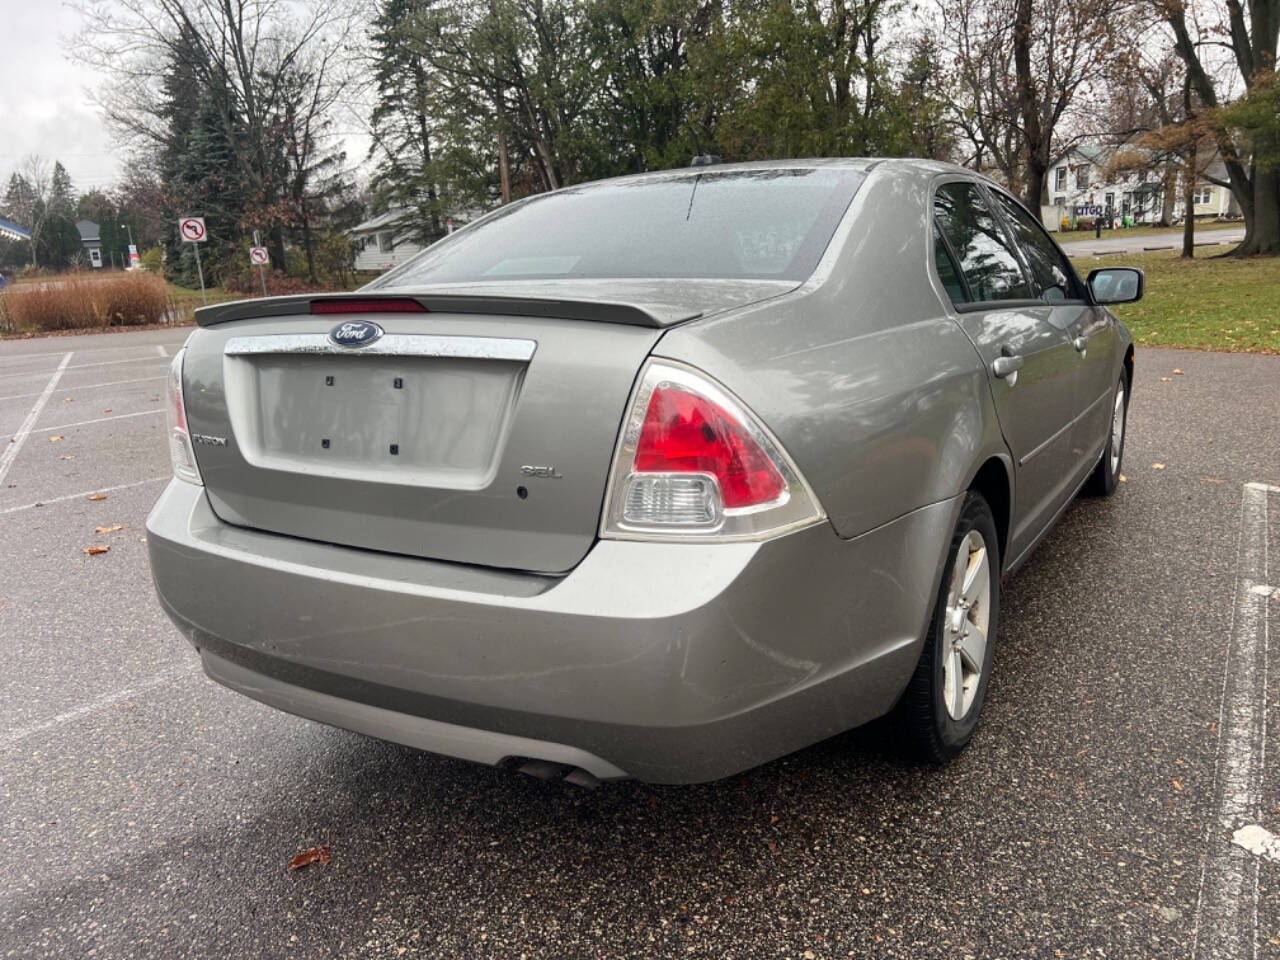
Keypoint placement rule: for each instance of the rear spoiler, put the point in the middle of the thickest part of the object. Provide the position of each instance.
(601, 311)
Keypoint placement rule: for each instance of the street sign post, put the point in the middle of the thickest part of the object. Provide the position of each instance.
(259, 257)
(192, 230)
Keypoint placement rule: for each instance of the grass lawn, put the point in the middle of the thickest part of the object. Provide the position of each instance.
(1209, 303)
(1207, 226)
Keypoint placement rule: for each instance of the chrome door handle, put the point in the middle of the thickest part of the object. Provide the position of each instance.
(1081, 344)
(1003, 367)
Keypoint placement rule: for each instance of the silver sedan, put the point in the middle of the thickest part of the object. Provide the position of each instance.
(659, 477)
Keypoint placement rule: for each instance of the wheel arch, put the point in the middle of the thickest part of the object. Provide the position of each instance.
(994, 480)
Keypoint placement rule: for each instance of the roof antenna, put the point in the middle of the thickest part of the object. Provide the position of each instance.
(701, 159)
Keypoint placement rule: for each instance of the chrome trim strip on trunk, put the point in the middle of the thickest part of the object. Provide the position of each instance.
(391, 344)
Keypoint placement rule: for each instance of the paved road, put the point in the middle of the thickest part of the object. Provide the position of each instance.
(1118, 242)
(146, 812)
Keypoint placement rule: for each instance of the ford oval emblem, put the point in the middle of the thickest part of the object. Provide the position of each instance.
(355, 333)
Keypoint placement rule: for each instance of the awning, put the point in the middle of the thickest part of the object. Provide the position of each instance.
(11, 231)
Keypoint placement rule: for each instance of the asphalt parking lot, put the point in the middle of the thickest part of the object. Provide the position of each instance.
(146, 812)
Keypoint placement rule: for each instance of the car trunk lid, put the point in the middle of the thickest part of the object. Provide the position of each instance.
(473, 433)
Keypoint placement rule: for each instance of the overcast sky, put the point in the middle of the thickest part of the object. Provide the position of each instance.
(43, 107)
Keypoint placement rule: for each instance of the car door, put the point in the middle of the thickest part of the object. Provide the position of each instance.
(1091, 328)
(1032, 365)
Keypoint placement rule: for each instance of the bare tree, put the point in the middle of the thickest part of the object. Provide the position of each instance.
(1146, 105)
(1249, 31)
(252, 51)
(976, 37)
(37, 174)
(1060, 50)
(1027, 73)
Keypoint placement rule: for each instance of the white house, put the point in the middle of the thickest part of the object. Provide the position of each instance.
(376, 244)
(1077, 189)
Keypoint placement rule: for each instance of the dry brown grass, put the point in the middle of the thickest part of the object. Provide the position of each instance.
(82, 301)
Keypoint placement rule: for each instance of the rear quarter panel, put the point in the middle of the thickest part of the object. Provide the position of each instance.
(875, 392)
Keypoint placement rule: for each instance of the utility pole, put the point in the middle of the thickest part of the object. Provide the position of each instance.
(133, 251)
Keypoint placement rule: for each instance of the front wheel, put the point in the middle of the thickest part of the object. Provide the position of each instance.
(1106, 475)
(941, 704)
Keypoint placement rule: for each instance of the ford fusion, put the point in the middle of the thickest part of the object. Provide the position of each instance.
(659, 477)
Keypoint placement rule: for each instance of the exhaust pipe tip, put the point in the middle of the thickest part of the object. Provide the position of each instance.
(546, 770)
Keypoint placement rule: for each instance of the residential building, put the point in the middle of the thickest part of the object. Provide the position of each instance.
(1078, 189)
(376, 241)
(11, 231)
(91, 240)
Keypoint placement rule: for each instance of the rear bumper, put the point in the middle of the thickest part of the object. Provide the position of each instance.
(667, 662)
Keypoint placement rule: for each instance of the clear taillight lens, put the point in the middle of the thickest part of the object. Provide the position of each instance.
(180, 451)
(692, 461)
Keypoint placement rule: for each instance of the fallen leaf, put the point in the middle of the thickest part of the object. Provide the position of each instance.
(106, 409)
(1177, 785)
(1123, 478)
(55, 438)
(96, 549)
(1177, 373)
(66, 456)
(318, 854)
(69, 400)
(1212, 479)
(773, 818)
(1165, 379)
(97, 496)
(1157, 466)
(111, 529)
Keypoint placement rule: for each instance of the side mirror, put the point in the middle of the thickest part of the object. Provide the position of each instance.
(1117, 284)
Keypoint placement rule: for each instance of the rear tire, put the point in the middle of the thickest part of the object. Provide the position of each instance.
(1106, 475)
(940, 707)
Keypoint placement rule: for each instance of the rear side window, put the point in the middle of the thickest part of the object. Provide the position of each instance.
(986, 260)
(1052, 274)
(948, 272)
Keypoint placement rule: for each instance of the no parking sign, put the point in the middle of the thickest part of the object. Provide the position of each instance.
(258, 256)
(191, 229)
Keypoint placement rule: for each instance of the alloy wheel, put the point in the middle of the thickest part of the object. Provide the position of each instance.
(968, 614)
(1117, 429)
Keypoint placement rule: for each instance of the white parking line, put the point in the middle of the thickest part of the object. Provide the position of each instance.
(87, 386)
(111, 363)
(1227, 906)
(160, 350)
(85, 423)
(82, 495)
(11, 451)
(82, 350)
(1258, 840)
(83, 366)
(98, 703)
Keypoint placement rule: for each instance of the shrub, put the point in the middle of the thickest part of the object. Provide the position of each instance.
(76, 302)
(153, 260)
(278, 284)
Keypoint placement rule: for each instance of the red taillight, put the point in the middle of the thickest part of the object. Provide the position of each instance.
(368, 305)
(181, 453)
(687, 433)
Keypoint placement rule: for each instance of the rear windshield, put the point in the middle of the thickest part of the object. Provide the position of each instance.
(735, 224)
